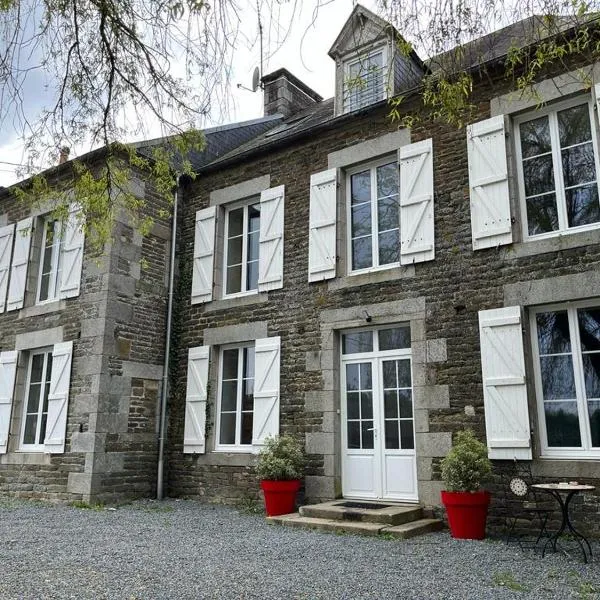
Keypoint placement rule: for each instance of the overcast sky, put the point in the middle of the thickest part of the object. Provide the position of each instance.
(302, 50)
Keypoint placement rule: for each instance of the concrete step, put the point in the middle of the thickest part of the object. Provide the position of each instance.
(409, 530)
(388, 514)
(403, 531)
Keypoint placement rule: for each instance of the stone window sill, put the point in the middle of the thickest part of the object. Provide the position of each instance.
(42, 309)
(562, 241)
(25, 458)
(379, 276)
(227, 303)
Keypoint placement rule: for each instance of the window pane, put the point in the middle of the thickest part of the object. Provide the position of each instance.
(366, 405)
(360, 187)
(351, 376)
(33, 400)
(406, 408)
(361, 220)
(227, 433)
(362, 253)
(352, 404)
(589, 328)
(387, 180)
(234, 279)
(248, 362)
(390, 403)
(404, 373)
(229, 396)
(387, 213)
(553, 332)
(236, 222)
(359, 341)
(535, 137)
(562, 424)
(392, 438)
(234, 251)
(230, 364)
(390, 379)
(44, 286)
(367, 435)
(37, 367)
(252, 276)
(253, 245)
(591, 375)
(30, 427)
(254, 218)
(389, 247)
(395, 338)
(594, 413)
(407, 435)
(246, 433)
(248, 395)
(578, 165)
(557, 377)
(366, 382)
(582, 205)
(574, 125)
(542, 214)
(353, 434)
(538, 175)
(43, 428)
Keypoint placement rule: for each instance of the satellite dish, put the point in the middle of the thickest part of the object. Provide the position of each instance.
(255, 79)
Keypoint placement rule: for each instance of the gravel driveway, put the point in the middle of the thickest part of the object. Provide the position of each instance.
(183, 549)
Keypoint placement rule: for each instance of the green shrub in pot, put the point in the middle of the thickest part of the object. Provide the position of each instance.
(467, 465)
(281, 459)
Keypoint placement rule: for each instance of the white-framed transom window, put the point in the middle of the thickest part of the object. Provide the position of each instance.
(236, 399)
(241, 253)
(364, 80)
(566, 343)
(35, 405)
(373, 215)
(557, 163)
(50, 261)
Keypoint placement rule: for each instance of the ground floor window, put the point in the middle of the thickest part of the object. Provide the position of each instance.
(35, 413)
(566, 343)
(236, 398)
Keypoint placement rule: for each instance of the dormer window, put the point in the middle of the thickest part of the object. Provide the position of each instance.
(365, 80)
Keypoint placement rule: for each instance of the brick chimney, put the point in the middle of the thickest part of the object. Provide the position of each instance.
(286, 94)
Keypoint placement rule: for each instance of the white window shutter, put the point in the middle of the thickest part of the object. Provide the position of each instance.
(58, 398)
(504, 386)
(72, 253)
(20, 262)
(322, 225)
(417, 243)
(266, 389)
(204, 252)
(488, 184)
(8, 372)
(270, 258)
(6, 246)
(194, 433)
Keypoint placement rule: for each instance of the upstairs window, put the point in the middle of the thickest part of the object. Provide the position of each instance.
(50, 261)
(364, 80)
(558, 164)
(242, 236)
(374, 216)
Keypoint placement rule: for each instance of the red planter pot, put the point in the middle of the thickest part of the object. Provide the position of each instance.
(467, 513)
(280, 496)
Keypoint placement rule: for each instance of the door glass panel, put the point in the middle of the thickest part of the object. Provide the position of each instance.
(353, 435)
(366, 383)
(404, 373)
(358, 341)
(367, 435)
(366, 405)
(594, 412)
(405, 403)
(359, 405)
(395, 338)
(353, 405)
(398, 410)
(390, 404)
(392, 437)
(352, 377)
(390, 375)
(406, 435)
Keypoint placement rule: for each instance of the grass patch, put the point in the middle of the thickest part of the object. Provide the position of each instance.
(87, 506)
(250, 505)
(507, 579)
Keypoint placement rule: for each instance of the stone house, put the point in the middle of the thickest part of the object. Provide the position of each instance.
(82, 340)
(374, 288)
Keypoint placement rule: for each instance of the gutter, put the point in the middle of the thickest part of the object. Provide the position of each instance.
(162, 428)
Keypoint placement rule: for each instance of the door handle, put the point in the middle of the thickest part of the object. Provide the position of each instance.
(372, 429)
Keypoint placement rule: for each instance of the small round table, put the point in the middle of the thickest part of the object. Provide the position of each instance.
(557, 490)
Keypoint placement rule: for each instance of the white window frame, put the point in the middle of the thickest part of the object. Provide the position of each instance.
(563, 229)
(372, 166)
(585, 451)
(245, 204)
(34, 447)
(358, 57)
(237, 447)
(57, 248)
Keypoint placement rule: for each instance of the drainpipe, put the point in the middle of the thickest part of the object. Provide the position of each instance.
(165, 383)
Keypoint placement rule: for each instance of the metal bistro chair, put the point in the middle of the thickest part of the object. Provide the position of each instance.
(524, 510)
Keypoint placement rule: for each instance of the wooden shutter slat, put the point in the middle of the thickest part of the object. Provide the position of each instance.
(491, 223)
(194, 433)
(270, 258)
(19, 265)
(203, 261)
(58, 398)
(417, 235)
(6, 247)
(504, 384)
(8, 372)
(322, 225)
(72, 253)
(266, 389)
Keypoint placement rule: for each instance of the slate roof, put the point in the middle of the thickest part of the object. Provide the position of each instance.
(485, 50)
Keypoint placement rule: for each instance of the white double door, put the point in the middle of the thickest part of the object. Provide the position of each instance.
(378, 437)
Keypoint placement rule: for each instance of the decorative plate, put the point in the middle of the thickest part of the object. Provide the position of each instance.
(518, 487)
